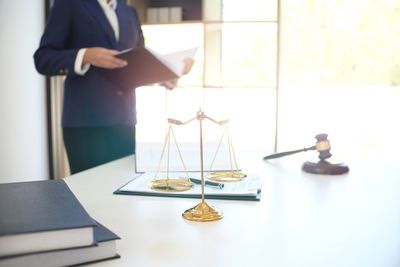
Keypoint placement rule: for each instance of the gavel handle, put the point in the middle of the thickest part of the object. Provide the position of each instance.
(282, 154)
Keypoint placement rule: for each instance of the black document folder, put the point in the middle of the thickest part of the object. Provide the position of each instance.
(248, 189)
(148, 67)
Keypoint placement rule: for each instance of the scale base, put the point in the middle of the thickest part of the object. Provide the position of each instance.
(325, 167)
(202, 213)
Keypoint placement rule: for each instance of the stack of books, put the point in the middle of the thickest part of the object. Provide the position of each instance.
(42, 223)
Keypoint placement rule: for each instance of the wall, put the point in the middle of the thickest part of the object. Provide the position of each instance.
(23, 133)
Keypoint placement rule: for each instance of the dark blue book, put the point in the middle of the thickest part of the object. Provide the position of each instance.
(104, 249)
(41, 216)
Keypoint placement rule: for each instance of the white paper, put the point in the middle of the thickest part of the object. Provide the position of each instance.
(175, 61)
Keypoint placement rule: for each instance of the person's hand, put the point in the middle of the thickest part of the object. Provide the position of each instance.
(103, 58)
(188, 65)
(170, 84)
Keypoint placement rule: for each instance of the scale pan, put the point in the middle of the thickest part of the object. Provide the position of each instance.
(170, 185)
(227, 176)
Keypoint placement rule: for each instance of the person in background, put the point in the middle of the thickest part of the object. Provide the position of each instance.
(80, 41)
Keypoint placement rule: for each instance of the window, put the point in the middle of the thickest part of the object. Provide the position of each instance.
(234, 77)
(340, 74)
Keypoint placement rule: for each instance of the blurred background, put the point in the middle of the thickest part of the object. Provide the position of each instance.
(280, 71)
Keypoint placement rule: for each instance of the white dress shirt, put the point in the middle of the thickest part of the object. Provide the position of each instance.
(109, 7)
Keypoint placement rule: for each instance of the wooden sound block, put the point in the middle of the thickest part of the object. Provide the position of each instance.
(325, 167)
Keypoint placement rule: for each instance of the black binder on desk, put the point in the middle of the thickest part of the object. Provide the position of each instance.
(249, 189)
(145, 67)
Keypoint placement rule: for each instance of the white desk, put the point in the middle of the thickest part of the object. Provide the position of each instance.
(302, 219)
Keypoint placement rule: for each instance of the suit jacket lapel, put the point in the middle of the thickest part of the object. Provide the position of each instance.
(122, 21)
(129, 28)
(97, 12)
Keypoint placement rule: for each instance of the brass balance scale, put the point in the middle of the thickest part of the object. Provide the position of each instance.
(202, 212)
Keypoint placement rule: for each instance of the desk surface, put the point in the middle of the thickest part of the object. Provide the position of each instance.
(302, 219)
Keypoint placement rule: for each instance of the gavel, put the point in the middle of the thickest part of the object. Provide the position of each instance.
(322, 145)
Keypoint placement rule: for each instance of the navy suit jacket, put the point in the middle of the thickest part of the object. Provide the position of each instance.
(93, 99)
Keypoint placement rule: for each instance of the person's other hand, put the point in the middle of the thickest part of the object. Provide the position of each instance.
(103, 58)
(188, 65)
(170, 84)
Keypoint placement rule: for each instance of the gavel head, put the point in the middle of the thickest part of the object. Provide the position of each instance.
(323, 146)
